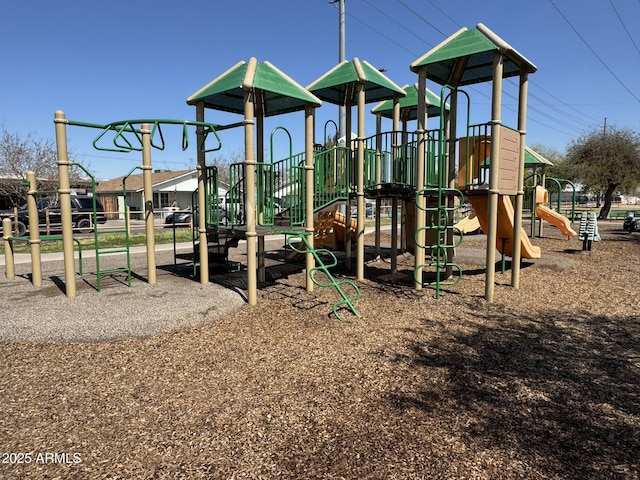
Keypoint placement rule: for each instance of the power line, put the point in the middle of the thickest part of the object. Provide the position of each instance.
(567, 121)
(383, 35)
(624, 26)
(564, 103)
(398, 23)
(422, 18)
(444, 13)
(593, 51)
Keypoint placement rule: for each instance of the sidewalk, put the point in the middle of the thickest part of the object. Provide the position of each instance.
(22, 258)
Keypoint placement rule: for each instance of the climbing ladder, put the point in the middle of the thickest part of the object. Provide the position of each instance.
(439, 240)
(303, 246)
(124, 248)
(438, 203)
(97, 237)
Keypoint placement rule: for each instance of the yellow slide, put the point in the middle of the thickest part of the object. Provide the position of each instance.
(505, 225)
(469, 224)
(556, 219)
(339, 226)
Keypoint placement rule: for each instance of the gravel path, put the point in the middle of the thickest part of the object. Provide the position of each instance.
(45, 313)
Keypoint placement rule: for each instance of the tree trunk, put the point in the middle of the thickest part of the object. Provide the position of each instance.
(608, 197)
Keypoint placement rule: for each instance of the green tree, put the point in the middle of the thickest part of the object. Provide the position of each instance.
(606, 161)
(559, 168)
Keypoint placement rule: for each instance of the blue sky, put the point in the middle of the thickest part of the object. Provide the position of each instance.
(106, 61)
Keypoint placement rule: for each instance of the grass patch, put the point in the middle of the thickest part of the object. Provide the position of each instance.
(111, 240)
(107, 240)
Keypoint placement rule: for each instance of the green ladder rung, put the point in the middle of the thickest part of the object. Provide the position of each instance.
(112, 250)
(115, 270)
(110, 230)
(439, 267)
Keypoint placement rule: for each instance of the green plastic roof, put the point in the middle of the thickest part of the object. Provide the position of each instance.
(531, 159)
(338, 84)
(409, 104)
(280, 93)
(466, 58)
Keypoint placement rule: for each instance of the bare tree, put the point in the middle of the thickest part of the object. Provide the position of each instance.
(223, 164)
(19, 155)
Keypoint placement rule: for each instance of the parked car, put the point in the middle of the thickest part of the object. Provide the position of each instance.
(180, 219)
(631, 224)
(49, 208)
(183, 218)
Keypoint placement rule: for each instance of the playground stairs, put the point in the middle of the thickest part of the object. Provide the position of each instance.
(219, 241)
(102, 251)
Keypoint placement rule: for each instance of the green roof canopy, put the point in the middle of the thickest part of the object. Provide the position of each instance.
(531, 159)
(409, 104)
(338, 84)
(466, 58)
(279, 93)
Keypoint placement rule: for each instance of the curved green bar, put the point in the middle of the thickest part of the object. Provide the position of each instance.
(347, 300)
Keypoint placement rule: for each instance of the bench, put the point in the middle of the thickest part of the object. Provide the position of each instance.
(622, 214)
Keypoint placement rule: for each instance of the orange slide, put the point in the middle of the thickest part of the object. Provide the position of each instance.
(505, 225)
(556, 219)
(339, 225)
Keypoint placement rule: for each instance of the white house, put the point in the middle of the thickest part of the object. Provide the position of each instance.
(171, 190)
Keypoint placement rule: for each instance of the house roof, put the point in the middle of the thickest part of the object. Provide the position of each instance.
(135, 183)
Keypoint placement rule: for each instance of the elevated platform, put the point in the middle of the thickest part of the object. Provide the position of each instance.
(390, 190)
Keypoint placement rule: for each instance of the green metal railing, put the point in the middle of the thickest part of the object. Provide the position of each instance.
(127, 137)
(346, 300)
(52, 238)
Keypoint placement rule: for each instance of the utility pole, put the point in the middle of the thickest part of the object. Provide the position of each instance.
(342, 57)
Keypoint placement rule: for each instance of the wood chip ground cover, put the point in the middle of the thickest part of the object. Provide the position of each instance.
(542, 383)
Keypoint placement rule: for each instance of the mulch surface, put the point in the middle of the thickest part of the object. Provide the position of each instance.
(543, 383)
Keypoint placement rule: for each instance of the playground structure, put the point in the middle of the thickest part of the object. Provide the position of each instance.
(416, 170)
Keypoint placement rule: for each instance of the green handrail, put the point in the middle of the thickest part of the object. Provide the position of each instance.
(324, 268)
(271, 142)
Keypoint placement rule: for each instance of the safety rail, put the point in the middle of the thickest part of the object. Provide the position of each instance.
(332, 175)
(52, 238)
(474, 150)
(347, 300)
(391, 159)
(235, 197)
